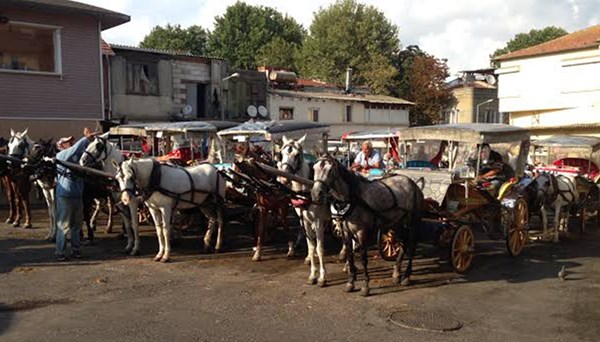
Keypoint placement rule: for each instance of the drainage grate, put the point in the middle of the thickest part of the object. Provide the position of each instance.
(425, 320)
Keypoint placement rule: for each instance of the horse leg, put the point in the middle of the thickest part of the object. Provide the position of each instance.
(49, 196)
(319, 227)
(166, 230)
(544, 215)
(110, 203)
(286, 228)
(210, 217)
(158, 222)
(310, 242)
(411, 246)
(365, 291)
(220, 223)
(260, 235)
(26, 188)
(350, 262)
(10, 197)
(18, 205)
(557, 219)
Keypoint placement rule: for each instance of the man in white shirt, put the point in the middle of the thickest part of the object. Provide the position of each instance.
(367, 158)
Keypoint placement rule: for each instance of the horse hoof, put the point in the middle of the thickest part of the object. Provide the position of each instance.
(365, 291)
(158, 258)
(311, 281)
(16, 224)
(291, 255)
(307, 261)
(134, 252)
(405, 282)
(342, 257)
(209, 249)
(322, 283)
(28, 225)
(165, 259)
(396, 280)
(349, 287)
(9, 221)
(256, 258)
(218, 250)
(128, 250)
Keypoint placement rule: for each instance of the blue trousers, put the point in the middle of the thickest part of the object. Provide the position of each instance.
(69, 216)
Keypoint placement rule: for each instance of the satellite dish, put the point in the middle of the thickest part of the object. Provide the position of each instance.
(187, 110)
(490, 79)
(262, 110)
(252, 111)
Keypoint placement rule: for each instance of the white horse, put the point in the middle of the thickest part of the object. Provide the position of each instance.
(103, 152)
(313, 217)
(558, 192)
(19, 146)
(166, 187)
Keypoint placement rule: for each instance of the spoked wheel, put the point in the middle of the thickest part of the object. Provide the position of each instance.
(462, 249)
(516, 236)
(389, 246)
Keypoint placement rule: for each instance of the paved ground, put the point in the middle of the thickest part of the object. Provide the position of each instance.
(226, 297)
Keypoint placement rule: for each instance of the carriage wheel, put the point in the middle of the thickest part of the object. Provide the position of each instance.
(517, 232)
(462, 249)
(389, 246)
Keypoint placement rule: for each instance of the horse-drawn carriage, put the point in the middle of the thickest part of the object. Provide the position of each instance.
(384, 141)
(571, 158)
(457, 198)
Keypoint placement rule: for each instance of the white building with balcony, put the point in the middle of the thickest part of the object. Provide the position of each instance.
(554, 87)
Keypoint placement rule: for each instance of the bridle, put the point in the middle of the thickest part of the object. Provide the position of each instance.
(23, 147)
(294, 167)
(103, 148)
(134, 189)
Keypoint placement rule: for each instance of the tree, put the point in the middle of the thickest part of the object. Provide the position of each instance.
(246, 34)
(278, 53)
(351, 34)
(172, 37)
(532, 38)
(421, 80)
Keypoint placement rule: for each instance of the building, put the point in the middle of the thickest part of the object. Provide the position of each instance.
(50, 66)
(158, 85)
(476, 96)
(554, 87)
(345, 109)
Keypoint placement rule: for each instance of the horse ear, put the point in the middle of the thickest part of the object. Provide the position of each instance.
(285, 140)
(277, 148)
(24, 133)
(12, 132)
(115, 164)
(301, 140)
(317, 151)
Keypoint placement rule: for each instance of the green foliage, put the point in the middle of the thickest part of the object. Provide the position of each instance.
(247, 34)
(421, 79)
(532, 38)
(351, 34)
(278, 53)
(172, 37)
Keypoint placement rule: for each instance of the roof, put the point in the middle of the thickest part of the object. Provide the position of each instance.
(570, 141)
(471, 133)
(106, 49)
(142, 129)
(275, 129)
(315, 83)
(584, 39)
(375, 134)
(107, 18)
(161, 52)
(341, 96)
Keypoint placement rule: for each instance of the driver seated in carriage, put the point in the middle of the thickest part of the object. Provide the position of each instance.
(367, 158)
(493, 171)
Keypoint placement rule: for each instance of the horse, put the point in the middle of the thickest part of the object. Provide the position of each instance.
(313, 217)
(165, 187)
(44, 174)
(19, 146)
(104, 154)
(365, 206)
(266, 199)
(5, 183)
(553, 191)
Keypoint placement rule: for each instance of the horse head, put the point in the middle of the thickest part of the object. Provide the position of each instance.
(19, 145)
(292, 156)
(97, 152)
(43, 148)
(328, 172)
(127, 179)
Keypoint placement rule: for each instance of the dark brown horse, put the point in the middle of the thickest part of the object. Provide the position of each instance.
(269, 197)
(19, 146)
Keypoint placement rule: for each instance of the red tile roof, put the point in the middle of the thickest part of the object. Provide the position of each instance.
(584, 39)
(314, 83)
(106, 49)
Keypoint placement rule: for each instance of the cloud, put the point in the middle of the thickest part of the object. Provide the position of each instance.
(465, 32)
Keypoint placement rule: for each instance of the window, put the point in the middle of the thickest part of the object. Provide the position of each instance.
(29, 48)
(348, 114)
(142, 78)
(313, 115)
(286, 113)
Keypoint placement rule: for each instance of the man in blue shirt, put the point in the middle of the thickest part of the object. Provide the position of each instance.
(367, 158)
(69, 207)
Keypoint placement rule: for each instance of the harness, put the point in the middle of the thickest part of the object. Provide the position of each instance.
(104, 148)
(562, 193)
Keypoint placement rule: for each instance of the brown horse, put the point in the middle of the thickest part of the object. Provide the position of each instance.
(269, 198)
(19, 146)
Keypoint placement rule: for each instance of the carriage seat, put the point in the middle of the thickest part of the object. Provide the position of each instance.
(580, 163)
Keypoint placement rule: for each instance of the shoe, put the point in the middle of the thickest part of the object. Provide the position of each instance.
(77, 255)
(61, 258)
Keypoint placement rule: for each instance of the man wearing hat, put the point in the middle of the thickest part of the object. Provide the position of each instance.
(69, 190)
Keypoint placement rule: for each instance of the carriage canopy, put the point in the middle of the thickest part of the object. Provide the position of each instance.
(477, 133)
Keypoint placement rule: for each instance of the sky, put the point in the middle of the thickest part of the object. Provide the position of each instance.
(465, 32)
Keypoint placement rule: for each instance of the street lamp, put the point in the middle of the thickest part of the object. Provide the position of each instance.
(235, 74)
(482, 103)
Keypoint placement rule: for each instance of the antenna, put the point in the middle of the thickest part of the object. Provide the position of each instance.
(262, 110)
(252, 111)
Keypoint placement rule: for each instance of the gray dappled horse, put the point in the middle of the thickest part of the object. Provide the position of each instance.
(44, 173)
(19, 146)
(365, 206)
